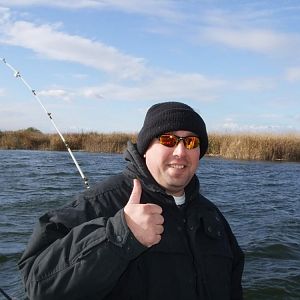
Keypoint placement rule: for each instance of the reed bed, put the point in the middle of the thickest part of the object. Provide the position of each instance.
(33, 139)
(250, 146)
(246, 146)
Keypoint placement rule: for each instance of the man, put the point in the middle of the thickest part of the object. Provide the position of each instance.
(146, 233)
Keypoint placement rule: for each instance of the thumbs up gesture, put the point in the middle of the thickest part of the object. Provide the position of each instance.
(144, 220)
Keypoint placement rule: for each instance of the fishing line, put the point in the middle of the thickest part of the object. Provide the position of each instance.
(18, 75)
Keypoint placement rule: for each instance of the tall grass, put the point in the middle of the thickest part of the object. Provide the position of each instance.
(255, 146)
(30, 139)
(33, 139)
(232, 146)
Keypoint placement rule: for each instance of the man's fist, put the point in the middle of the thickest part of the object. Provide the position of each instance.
(144, 220)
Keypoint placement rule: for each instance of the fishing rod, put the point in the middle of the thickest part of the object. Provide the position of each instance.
(5, 295)
(18, 75)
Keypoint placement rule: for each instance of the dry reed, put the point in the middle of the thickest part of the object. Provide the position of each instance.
(33, 139)
(251, 146)
(232, 146)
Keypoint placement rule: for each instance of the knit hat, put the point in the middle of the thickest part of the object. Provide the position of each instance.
(171, 116)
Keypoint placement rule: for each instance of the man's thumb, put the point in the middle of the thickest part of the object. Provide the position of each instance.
(135, 197)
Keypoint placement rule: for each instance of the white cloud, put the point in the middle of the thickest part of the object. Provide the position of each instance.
(56, 93)
(267, 122)
(146, 7)
(231, 126)
(4, 15)
(252, 27)
(2, 92)
(50, 41)
(92, 92)
(293, 74)
(270, 116)
(244, 15)
(256, 40)
(70, 95)
(47, 41)
(254, 84)
(165, 86)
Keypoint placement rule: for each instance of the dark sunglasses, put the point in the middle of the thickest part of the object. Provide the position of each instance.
(171, 140)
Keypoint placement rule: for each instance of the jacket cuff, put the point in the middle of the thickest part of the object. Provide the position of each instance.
(119, 234)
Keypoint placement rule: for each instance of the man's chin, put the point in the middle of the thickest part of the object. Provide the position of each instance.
(176, 186)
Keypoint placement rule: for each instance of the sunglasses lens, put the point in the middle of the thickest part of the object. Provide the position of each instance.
(191, 142)
(168, 140)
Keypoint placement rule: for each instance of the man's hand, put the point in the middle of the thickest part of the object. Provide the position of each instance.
(144, 220)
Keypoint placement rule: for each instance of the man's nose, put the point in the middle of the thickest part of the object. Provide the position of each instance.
(179, 149)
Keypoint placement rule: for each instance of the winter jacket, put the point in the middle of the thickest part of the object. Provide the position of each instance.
(85, 250)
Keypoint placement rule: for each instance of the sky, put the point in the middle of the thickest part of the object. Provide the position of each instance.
(98, 65)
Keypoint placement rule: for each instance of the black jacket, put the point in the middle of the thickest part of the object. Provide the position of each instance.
(86, 251)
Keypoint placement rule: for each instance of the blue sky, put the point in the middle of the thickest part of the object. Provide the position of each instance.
(99, 65)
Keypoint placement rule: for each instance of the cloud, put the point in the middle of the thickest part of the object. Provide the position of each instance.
(4, 15)
(230, 125)
(272, 116)
(165, 85)
(293, 74)
(254, 84)
(162, 85)
(164, 8)
(46, 40)
(92, 93)
(85, 92)
(2, 92)
(252, 27)
(57, 93)
(256, 40)
(49, 40)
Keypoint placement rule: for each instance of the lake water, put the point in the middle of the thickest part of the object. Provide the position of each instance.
(261, 201)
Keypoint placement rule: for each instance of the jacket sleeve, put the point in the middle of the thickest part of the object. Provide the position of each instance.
(82, 262)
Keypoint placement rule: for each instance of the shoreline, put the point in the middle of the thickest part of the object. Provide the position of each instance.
(240, 146)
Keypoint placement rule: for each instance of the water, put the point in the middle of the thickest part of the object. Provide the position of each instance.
(259, 199)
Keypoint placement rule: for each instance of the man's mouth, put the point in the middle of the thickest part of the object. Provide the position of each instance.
(176, 166)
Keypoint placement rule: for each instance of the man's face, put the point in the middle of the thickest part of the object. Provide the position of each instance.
(172, 168)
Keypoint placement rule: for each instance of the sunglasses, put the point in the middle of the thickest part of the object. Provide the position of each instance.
(171, 140)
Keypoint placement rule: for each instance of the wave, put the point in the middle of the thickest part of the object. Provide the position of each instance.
(275, 251)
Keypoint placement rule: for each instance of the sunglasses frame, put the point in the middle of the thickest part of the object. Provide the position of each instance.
(179, 139)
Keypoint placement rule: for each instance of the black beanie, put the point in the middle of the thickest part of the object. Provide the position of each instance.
(171, 116)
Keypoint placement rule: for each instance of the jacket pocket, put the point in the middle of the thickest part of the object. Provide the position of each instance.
(214, 257)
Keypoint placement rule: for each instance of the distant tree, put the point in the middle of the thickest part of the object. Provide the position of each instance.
(32, 129)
